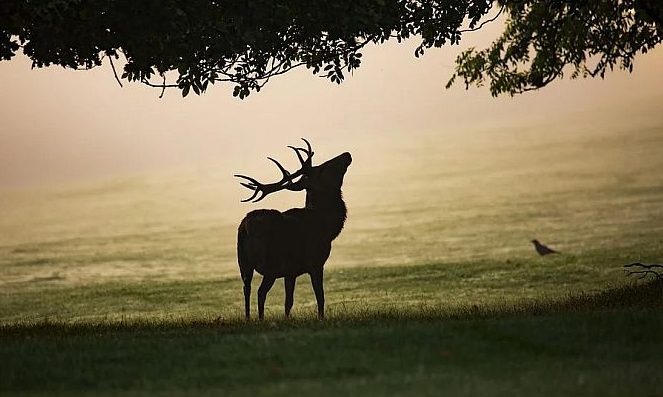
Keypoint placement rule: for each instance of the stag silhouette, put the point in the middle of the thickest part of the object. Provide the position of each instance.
(288, 244)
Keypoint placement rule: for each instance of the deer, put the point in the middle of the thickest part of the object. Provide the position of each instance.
(297, 241)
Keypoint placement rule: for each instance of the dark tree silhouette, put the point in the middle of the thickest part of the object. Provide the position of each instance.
(288, 244)
(247, 42)
(544, 39)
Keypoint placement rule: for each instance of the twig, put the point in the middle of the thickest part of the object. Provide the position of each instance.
(114, 71)
(483, 23)
(163, 90)
(147, 83)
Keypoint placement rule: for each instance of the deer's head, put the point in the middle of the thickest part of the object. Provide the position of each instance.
(327, 176)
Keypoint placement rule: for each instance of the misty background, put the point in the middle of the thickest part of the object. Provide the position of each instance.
(99, 181)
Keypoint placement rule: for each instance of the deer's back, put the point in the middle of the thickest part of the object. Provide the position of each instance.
(283, 243)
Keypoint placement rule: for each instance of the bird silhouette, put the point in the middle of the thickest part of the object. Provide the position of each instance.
(542, 249)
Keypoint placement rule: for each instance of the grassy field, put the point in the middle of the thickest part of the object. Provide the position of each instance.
(165, 339)
(130, 286)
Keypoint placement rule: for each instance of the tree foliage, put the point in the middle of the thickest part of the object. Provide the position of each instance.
(544, 39)
(247, 42)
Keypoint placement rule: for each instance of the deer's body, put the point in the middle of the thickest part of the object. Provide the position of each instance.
(297, 241)
(290, 243)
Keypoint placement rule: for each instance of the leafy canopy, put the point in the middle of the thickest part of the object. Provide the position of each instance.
(247, 42)
(544, 39)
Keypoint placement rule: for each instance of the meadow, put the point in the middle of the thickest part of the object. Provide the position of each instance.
(129, 286)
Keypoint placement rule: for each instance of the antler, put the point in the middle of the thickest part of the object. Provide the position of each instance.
(308, 151)
(260, 190)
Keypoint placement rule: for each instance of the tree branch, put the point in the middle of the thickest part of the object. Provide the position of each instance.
(163, 85)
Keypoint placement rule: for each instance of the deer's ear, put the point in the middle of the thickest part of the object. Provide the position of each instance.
(297, 186)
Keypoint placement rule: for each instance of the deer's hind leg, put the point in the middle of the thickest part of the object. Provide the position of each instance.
(246, 278)
(318, 289)
(265, 286)
(289, 293)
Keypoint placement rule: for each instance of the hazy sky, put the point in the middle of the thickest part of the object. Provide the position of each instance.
(61, 125)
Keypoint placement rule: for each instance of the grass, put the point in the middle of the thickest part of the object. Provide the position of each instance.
(560, 325)
(452, 328)
(448, 285)
(604, 344)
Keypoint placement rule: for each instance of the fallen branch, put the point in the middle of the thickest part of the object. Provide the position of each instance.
(643, 270)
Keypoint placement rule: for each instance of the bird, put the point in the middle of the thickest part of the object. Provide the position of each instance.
(542, 249)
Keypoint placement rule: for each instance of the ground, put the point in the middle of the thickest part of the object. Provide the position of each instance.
(418, 336)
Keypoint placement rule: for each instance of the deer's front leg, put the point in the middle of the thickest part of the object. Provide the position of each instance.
(265, 286)
(289, 294)
(247, 299)
(316, 281)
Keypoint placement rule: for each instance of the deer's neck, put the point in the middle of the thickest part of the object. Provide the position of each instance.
(331, 208)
